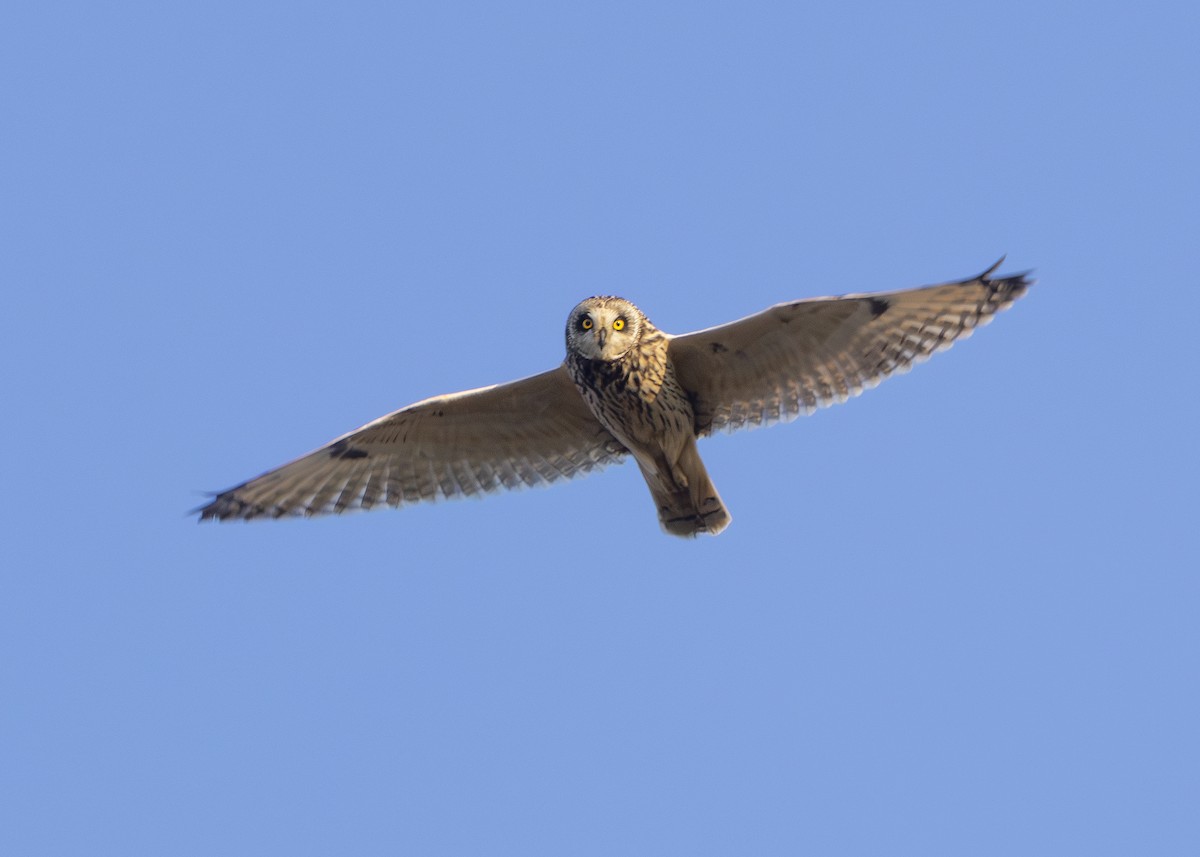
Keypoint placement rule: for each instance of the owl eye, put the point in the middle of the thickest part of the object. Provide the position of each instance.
(619, 324)
(586, 323)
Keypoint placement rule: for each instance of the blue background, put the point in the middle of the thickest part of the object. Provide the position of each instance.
(955, 616)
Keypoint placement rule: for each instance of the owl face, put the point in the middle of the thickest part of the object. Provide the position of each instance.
(604, 328)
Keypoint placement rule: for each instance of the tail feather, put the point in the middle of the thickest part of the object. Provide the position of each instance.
(693, 509)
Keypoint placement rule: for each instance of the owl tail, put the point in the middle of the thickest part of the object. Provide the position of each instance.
(690, 510)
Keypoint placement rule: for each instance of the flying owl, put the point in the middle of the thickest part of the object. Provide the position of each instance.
(626, 389)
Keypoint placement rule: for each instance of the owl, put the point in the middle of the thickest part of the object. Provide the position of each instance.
(628, 390)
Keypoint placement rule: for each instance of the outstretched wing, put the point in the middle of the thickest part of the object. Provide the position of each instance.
(796, 357)
(528, 432)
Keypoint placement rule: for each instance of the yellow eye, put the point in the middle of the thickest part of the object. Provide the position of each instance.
(586, 324)
(619, 324)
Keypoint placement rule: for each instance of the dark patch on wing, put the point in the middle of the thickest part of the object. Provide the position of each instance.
(878, 306)
(342, 449)
(226, 505)
(717, 348)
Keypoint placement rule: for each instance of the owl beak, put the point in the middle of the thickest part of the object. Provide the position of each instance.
(601, 336)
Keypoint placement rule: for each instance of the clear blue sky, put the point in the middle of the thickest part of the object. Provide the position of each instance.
(955, 616)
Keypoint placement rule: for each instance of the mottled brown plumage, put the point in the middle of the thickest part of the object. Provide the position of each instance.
(627, 388)
(621, 365)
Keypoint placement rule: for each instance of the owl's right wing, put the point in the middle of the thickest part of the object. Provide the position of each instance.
(796, 357)
(528, 432)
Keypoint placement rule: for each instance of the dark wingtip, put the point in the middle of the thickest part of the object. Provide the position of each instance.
(222, 506)
(208, 510)
(986, 275)
(1018, 281)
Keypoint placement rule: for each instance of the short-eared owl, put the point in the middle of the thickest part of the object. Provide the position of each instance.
(627, 388)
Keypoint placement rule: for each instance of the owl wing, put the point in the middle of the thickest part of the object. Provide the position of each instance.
(528, 432)
(796, 357)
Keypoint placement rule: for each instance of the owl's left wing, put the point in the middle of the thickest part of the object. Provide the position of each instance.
(528, 432)
(796, 357)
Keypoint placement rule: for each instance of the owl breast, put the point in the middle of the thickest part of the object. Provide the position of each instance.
(637, 398)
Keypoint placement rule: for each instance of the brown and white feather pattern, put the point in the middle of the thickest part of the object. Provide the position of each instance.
(626, 388)
(796, 357)
(621, 364)
(529, 432)
(636, 398)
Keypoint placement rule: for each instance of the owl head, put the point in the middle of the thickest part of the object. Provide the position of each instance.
(604, 328)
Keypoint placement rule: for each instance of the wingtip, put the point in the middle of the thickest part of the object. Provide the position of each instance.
(1021, 278)
(218, 508)
(204, 510)
(986, 274)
